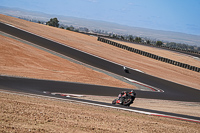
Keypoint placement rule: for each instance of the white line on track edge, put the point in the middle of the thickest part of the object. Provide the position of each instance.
(101, 105)
(137, 111)
(72, 47)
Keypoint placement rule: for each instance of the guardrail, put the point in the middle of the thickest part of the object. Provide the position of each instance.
(150, 55)
(190, 52)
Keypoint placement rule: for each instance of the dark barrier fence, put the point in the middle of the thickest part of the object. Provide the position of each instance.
(190, 52)
(163, 47)
(150, 55)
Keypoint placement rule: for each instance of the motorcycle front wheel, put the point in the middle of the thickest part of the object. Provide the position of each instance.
(114, 101)
(127, 101)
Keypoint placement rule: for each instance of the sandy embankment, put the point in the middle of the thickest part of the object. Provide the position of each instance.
(91, 45)
(19, 59)
(31, 114)
(24, 114)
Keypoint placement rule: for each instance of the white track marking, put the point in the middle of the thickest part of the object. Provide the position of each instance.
(73, 48)
(101, 105)
(137, 111)
(65, 94)
(145, 85)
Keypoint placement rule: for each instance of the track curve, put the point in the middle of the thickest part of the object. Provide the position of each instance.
(35, 86)
(172, 91)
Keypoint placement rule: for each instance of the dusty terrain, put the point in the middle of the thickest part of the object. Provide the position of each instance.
(177, 107)
(19, 59)
(164, 53)
(31, 114)
(91, 45)
(22, 113)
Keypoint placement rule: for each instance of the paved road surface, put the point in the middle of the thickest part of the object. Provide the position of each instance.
(172, 91)
(35, 86)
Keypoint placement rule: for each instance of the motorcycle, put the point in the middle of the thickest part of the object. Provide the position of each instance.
(125, 98)
(126, 70)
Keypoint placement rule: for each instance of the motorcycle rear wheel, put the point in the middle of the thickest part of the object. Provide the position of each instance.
(127, 101)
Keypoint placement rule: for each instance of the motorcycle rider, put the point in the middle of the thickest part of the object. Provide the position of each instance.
(125, 98)
(125, 69)
(123, 94)
(132, 91)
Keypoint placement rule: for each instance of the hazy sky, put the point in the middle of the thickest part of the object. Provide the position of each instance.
(171, 15)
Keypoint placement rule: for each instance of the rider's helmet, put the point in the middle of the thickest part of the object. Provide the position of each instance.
(132, 91)
(123, 92)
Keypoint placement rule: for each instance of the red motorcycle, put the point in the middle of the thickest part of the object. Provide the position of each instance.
(125, 98)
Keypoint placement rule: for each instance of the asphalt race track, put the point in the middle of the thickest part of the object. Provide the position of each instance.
(38, 87)
(172, 91)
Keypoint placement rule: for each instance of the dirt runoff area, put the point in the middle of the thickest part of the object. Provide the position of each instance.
(34, 114)
(91, 45)
(20, 59)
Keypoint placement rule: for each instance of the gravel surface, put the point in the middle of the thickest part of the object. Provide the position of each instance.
(34, 114)
(28, 114)
(177, 107)
(91, 45)
(20, 59)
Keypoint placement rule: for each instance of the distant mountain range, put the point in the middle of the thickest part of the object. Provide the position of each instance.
(106, 26)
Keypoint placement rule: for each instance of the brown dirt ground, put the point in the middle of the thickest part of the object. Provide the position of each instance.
(164, 53)
(23, 60)
(20, 113)
(34, 114)
(91, 45)
(156, 104)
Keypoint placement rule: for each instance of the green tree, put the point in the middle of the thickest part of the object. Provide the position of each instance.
(114, 36)
(53, 22)
(67, 28)
(76, 30)
(191, 48)
(159, 43)
(72, 28)
(130, 37)
(122, 37)
(138, 39)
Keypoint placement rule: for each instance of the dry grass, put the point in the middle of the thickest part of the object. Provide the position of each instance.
(23, 60)
(91, 45)
(29, 114)
(178, 107)
(164, 53)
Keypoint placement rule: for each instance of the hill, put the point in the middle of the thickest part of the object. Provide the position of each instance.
(24, 113)
(91, 45)
(106, 26)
